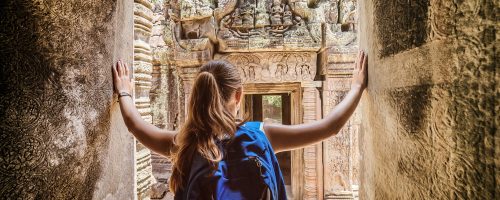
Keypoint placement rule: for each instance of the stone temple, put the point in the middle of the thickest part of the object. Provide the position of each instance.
(426, 128)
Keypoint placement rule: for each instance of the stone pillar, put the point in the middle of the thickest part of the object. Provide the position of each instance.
(312, 155)
(341, 157)
(159, 89)
(187, 74)
(160, 96)
(142, 76)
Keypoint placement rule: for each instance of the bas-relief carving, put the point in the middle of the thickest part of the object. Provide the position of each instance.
(347, 10)
(312, 156)
(190, 52)
(242, 25)
(341, 16)
(336, 149)
(333, 12)
(340, 29)
(56, 126)
(259, 25)
(192, 31)
(434, 138)
(273, 67)
(195, 29)
(195, 9)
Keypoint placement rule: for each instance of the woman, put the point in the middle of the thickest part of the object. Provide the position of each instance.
(210, 135)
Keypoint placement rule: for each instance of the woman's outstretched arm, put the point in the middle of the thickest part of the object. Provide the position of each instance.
(287, 137)
(151, 136)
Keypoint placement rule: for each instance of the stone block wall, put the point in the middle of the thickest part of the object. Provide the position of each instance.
(430, 126)
(62, 135)
(162, 94)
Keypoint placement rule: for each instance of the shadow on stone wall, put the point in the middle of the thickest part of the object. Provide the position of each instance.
(432, 103)
(56, 96)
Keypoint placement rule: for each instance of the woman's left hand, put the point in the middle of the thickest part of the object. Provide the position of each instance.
(360, 72)
(121, 78)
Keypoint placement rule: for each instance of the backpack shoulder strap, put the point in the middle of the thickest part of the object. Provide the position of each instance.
(254, 125)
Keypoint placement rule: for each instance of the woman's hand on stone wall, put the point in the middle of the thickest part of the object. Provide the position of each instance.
(121, 78)
(288, 137)
(360, 72)
(158, 140)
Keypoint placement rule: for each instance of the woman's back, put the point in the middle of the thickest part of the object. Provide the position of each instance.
(248, 170)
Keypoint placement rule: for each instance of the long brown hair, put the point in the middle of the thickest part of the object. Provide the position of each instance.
(208, 119)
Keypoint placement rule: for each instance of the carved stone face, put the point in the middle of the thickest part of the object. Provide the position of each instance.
(190, 30)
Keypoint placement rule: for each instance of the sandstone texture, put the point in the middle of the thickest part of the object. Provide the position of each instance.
(430, 114)
(62, 136)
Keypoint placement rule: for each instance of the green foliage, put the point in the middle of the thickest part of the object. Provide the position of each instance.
(274, 100)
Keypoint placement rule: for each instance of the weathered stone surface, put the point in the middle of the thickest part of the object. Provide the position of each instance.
(429, 128)
(161, 94)
(62, 136)
(259, 25)
(313, 180)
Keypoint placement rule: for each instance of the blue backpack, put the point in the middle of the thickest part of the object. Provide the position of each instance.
(249, 170)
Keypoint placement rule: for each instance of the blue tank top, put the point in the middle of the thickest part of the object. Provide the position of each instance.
(248, 170)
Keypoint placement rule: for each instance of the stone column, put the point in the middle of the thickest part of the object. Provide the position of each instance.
(341, 151)
(142, 76)
(187, 75)
(312, 155)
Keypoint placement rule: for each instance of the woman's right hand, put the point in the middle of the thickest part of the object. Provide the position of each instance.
(151, 136)
(121, 78)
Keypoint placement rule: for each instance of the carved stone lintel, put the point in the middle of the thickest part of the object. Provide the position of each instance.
(311, 84)
(274, 67)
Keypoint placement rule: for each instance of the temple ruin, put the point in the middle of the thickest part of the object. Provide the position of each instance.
(301, 53)
(426, 127)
